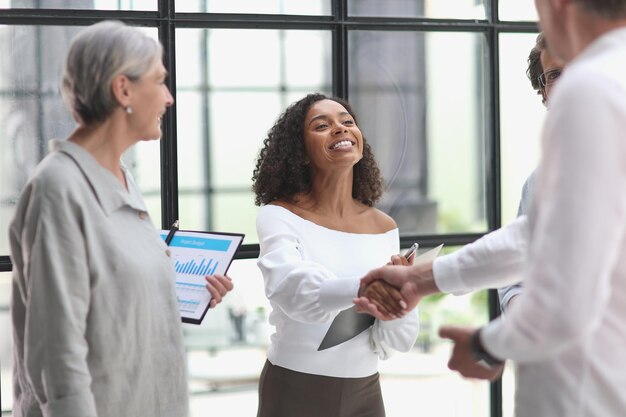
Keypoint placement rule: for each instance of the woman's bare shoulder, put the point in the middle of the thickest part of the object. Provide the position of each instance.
(381, 221)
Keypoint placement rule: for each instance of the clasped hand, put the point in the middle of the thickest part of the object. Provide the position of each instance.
(381, 299)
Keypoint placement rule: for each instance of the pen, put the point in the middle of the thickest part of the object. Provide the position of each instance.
(170, 235)
(411, 251)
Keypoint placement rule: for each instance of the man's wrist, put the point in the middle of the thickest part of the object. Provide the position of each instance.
(425, 279)
(479, 352)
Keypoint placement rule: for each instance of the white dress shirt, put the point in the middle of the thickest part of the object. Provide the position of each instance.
(311, 273)
(494, 260)
(567, 330)
(96, 328)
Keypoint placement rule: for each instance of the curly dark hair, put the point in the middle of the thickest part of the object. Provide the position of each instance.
(282, 171)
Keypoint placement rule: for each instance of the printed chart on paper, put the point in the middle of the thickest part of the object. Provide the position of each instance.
(196, 255)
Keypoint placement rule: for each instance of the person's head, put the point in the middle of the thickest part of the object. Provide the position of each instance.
(111, 67)
(315, 133)
(564, 22)
(543, 68)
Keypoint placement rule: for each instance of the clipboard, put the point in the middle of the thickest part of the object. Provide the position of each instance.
(194, 255)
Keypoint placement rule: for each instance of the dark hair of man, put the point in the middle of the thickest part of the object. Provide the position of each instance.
(282, 168)
(609, 9)
(535, 69)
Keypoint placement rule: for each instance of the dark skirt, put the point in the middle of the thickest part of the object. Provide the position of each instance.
(287, 393)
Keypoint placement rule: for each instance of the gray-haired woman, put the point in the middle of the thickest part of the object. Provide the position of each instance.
(95, 317)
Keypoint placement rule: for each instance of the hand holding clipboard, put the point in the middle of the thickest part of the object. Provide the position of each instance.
(201, 260)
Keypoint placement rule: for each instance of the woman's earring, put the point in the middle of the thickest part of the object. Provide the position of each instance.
(129, 110)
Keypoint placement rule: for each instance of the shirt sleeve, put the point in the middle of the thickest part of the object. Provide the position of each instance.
(494, 260)
(305, 291)
(399, 335)
(579, 228)
(56, 296)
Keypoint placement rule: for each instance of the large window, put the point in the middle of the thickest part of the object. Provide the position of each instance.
(441, 94)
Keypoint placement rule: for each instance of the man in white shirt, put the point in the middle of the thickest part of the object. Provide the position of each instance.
(566, 331)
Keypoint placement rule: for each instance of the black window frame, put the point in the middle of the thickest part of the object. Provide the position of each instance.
(340, 23)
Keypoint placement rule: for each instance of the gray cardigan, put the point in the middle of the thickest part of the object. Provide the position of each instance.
(95, 318)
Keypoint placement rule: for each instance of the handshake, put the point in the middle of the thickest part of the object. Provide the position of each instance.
(393, 290)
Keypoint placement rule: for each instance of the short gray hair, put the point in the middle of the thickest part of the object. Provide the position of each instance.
(98, 54)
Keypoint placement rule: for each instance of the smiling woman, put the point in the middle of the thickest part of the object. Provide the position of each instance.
(331, 134)
(318, 181)
(282, 169)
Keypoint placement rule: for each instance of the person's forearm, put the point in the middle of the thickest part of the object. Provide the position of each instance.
(424, 279)
(495, 260)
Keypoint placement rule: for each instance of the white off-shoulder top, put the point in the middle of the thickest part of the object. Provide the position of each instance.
(311, 273)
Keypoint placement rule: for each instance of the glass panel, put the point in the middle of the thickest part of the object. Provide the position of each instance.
(143, 160)
(6, 356)
(32, 112)
(522, 115)
(517, 10)
(508, 390)
(308, 7)
(225, 109)
(423, 112)
(236, 212)
(457, 9)
(194, 210)
(192, 140)
(227, 352)
(80, 4)
(234, 150)
(240, 58)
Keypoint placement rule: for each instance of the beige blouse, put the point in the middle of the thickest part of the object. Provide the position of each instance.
(95, 319)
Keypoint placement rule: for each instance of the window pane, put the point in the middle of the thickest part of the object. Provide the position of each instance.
(517, 10)
(457, 9)
(32, 112)
(80, 4)
(521, 119)
(234, 150)
(423, 113)
(143, 160)
(508, 389)
(308, 7)
(236, 212)
(225, 110)
(6, 356)
(226, 353)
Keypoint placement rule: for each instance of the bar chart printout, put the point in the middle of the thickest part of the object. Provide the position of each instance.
(196, 255)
